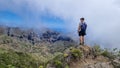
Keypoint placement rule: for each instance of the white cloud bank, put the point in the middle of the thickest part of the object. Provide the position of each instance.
(102, 16)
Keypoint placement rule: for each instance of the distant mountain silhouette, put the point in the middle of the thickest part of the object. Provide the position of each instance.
(34, 36)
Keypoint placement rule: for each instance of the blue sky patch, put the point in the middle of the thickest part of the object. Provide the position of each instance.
(9, 18)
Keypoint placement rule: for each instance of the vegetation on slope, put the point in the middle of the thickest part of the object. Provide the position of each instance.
(12, 59)
(17, 53)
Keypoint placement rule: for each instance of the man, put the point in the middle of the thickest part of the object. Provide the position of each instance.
(82, 30)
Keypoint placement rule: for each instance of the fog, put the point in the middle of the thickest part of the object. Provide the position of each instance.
(102, 17)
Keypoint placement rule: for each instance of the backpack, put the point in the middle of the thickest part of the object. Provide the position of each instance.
(83, 26)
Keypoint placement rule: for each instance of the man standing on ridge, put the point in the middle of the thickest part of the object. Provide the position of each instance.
(82, 30)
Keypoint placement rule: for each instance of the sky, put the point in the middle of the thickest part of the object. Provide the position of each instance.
(101, 16)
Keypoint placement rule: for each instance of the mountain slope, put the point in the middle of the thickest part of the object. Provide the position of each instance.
(28, 48)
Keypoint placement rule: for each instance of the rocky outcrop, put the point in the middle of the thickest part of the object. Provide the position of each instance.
(88, 59)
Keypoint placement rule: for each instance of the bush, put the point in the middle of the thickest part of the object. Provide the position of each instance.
(105, 53)
(10, 66)
(41, 66)
(97, 50)
(11, 59)
(5, 39)
(58, 64)
(76, 53)
(65, 55)
(108, 54)
(67, 66)
(57, 60)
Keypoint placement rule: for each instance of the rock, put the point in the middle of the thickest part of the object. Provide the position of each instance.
(116, 63)
(86, 50)
(97, 65)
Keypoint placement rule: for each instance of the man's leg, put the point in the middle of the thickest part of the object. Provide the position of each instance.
(82, 40)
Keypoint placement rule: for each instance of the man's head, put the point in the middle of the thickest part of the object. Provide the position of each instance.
(82, 19)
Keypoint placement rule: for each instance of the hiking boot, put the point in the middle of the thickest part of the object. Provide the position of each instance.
(83, 43)
(80, 44)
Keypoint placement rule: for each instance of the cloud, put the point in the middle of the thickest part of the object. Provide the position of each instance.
(102, 16)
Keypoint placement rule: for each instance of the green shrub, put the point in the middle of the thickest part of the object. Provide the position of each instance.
(11, 59)
(59, 57)
(58, 64)
(5, 39)
(96, 50)
(41, 66)
(58, 60)
(105, 53)
(65, 55)
(76, 53)
(108, 54)
(67, 66)
(10, 66)
(119, 53)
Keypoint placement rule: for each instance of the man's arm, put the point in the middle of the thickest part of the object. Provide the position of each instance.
(79, 29)
(86, 25)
